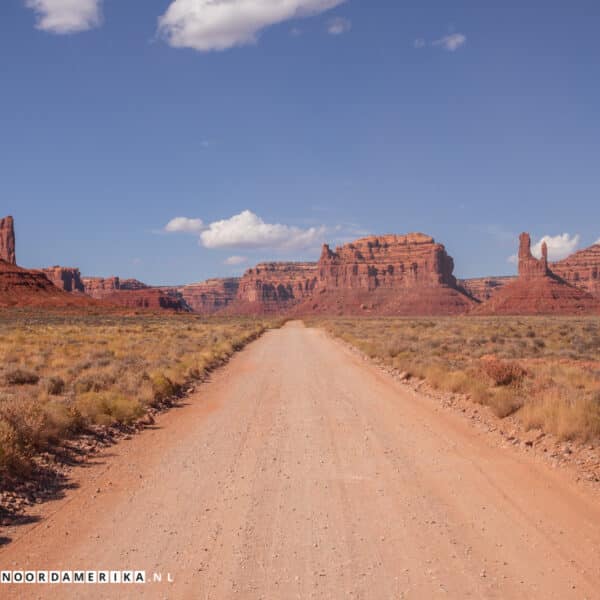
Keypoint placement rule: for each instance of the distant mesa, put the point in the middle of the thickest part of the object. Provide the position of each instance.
(483, 288)
(538, 290)
(211, 296)
(402, 275)
(101, 287)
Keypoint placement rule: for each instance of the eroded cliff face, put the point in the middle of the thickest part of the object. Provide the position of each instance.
(581, 269)
(7, 240)
(211, 296)
(391, 261)
(275, 287)
(99, 287)
(538, 291)
(65, 278)
(387, 275)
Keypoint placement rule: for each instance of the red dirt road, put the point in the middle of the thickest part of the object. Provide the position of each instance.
(301, 471)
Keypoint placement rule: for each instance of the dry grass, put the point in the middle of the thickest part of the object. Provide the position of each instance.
(545, 371)
(59, 375)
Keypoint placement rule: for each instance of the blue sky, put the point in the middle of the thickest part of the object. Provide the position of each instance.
(275, 125)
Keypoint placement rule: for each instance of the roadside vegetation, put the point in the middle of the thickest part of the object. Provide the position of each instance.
(62, 374)
(545, 371)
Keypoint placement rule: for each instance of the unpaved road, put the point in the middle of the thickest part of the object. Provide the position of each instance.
(300, 471)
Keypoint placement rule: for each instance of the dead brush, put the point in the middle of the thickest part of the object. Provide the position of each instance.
(503, 372)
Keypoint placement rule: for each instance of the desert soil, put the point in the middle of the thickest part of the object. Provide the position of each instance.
(302, 471)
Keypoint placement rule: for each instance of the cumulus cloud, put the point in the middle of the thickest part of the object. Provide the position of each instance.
(339, 25)
(247, 230)
(66, 16)
(451, 42)
(184, 225)
(206, 25)
(419, 43)
(597, 241)
(235, 260)
(559, 246)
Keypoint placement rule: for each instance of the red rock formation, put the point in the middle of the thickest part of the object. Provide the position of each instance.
(387, 275)
(100, 287)
(66, 278)
(538, 290)
(132, 284)
(482, 288)
(581, 269)
(146, 298)
(24, 287)
(529, 266)
(7, 240)
(211, 296)
(274, 287)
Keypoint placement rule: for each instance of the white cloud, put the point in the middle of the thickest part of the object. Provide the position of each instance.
(451, 42)
(419, 43)
(220, 24)
(339, 25)
(247, 230)
(66, 16)
(597, 241)
(235, 260)
(559, 246)
(184, 225)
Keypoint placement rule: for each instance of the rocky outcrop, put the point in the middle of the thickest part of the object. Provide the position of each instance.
(388, 275)
(538, 291)
(529, 266)
(25, 287)
(482, 288)
(132, 284)
(581, 269)
(66, 278)
(211, 296)
(7, 240)
(274, 287)
(100, 287)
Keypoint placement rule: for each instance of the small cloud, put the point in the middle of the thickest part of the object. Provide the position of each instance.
(451, 42)
(247, 230)
(184, 225)
(419, 43)
(339, 26)
(235, 260)
(559, 246)
(66, 16)
(207, 25)
(597, 241)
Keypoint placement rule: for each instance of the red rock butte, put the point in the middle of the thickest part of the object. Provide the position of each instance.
(538, 290)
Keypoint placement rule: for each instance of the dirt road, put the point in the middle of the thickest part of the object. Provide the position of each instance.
(300, 471)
